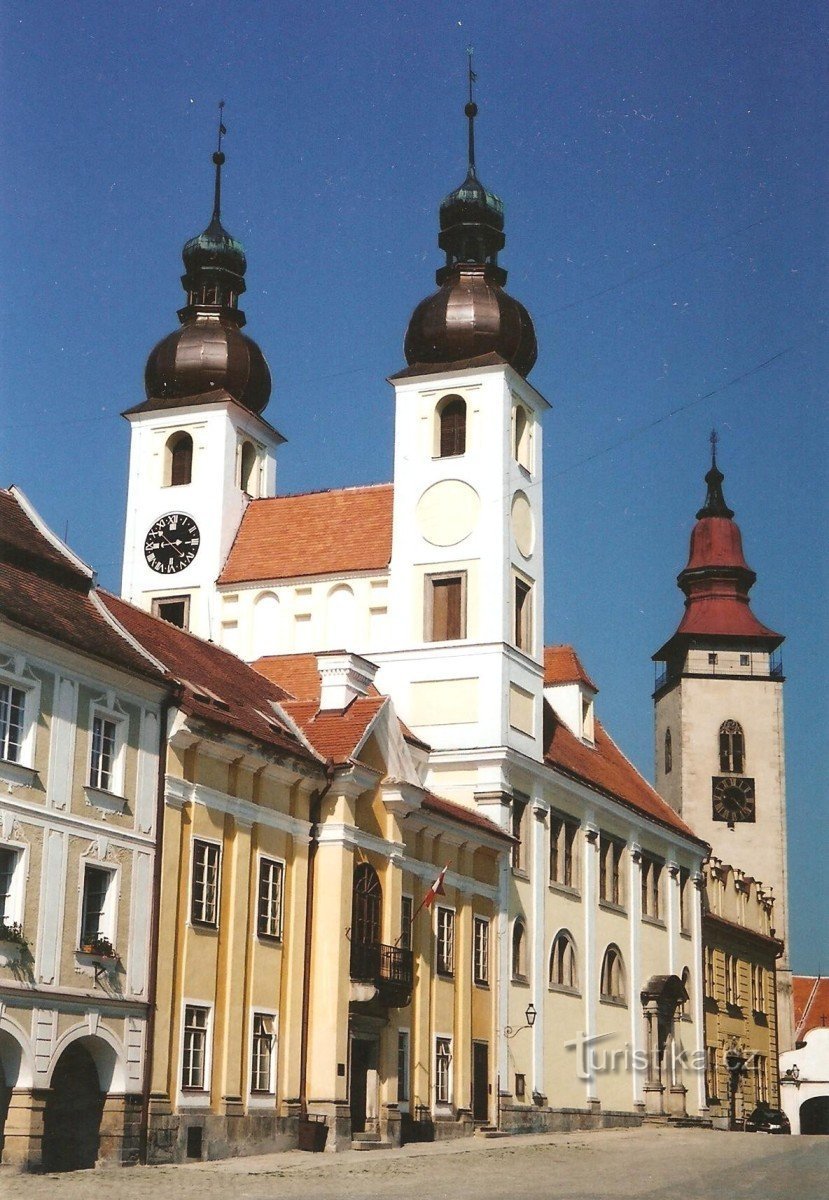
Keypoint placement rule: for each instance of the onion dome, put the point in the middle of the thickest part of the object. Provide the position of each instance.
(471, 315)
(717, 579)
(209, 352)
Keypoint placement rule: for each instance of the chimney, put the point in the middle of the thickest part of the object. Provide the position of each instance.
(343, 677)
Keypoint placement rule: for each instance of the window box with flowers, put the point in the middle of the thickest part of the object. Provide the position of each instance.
(99, 951)
(13, 944)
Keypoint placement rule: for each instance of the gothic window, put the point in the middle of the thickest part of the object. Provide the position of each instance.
(452, 418)
(612, 985)
(563, 962)
(732, 748)
(669, 753)
(519, 965)
(365, 911)
(178, 460)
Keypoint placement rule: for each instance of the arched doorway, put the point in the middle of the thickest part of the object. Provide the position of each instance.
(814, 1115)
(10, 1057)
(72, 1116)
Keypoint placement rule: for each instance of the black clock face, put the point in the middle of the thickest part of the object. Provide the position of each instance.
(172, 544)
(732, 798)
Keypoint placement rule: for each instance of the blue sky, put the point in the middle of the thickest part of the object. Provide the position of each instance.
(666, 214)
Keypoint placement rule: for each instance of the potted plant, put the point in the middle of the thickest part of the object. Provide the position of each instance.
(12, 942)
(98, 947)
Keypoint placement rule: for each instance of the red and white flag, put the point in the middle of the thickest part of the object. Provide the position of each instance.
(437, 889)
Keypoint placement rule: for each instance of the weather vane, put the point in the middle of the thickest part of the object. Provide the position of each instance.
(714, 439)
(471, 111)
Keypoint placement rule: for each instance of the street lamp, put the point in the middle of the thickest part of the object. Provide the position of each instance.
(529, 1015)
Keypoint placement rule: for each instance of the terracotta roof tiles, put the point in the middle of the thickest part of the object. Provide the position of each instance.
(811, 1003)
(563, 665)
(317, 533)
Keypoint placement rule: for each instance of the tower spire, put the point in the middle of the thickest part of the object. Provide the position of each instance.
(715, 505)
(218, 159)
(471, 111)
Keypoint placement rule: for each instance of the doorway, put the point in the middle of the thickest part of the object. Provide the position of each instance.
(72, 1116)
(480, 1081)
(363, 1082)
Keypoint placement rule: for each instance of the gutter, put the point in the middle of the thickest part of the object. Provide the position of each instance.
(314, 817)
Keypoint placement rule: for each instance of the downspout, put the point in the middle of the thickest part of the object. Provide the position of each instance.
(314, 817)
(152, 979)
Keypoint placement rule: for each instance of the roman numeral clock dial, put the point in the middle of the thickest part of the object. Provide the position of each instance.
(732, 798)
(172, 544)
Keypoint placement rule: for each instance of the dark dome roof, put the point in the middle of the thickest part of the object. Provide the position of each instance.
(472, 202)
(471, 315)
(215, 248)
(209, 353)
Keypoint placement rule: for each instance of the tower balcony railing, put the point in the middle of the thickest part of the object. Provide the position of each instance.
(772, 669)
(389, 968)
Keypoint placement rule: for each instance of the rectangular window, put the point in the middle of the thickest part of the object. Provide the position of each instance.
(173, 609)
(445, 941)
(684, 900)
(523, 615)
(480, 965)
(761, 1067)
(610, 870)
(711, 1073)
(261, 1061)
(445, 607)
(102, 759)
(443, 1065)
(745, 661)
(8, 862)
(204, 909)
(562, 851)
(403, 1066)
(651, 888)
(520, 1087)
(269, 917)
(194, 1056)
(709, 972)
(96, 885)
(406, 917)
(12, 711)
(758, 988)
(712, 659)
(732, 981)
(519, 856)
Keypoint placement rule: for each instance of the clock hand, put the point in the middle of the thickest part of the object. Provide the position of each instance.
(173, 544)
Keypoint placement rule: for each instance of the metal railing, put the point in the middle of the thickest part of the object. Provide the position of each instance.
(372, 962)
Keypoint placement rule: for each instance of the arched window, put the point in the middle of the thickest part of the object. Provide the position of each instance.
(732, 748)
(178, 460)
(366, 902)
(563, 961)
(612, 985)
(452, 427)
(519, 966)
(247, 468)
(669, 753)
(265, 624)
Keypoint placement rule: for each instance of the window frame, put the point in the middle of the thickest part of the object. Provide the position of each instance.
(194, 1094)
(264, 1096)
(264, 860)
(403, 1091)
(564, 830)
(518, 950)
(158, 602)
(523, 624)
(451, 400)
(611, 850)
(522, 437)
(193, 920)
(446, 1071)
(732, 748)
(445, 942)
(107, 710)
(557, 961)
(668, 762)
(429, 581)
(480, 950)
(613, 970)
(108, 925)
(16, 675)
(652, 870)
(15, 898)
(406, 921)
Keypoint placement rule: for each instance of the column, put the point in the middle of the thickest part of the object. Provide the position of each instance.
(590, 900)
(538, 947)
(698, 990)
(637, 1038)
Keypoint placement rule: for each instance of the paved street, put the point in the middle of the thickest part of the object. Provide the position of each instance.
(644, 1163)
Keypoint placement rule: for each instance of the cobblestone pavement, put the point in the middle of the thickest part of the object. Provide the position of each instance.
(649, 1164)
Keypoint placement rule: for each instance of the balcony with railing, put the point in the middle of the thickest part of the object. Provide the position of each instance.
(388, 968)
(720, 665)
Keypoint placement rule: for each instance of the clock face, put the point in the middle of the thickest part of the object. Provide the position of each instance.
(732, 798)
(172, 544)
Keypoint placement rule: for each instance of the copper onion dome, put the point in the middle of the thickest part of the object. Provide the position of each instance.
(209, 352)
(471, 314)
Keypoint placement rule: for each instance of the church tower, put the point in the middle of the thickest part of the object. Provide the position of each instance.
(466, 571)
(720, 756)
(200, 448)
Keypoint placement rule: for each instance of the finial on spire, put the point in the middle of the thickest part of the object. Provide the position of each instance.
(218, 159)
(715, 505)
(471, 111)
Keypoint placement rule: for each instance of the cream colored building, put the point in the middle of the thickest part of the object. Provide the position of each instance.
(81, 721)
(740, 964)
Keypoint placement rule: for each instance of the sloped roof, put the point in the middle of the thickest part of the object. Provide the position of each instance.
(46, 591)
(298, 674)
(605, 769)
(467, 816)
(216, 685)
(335, 733)
(811, 1002)
(563, 665)
(317, 533)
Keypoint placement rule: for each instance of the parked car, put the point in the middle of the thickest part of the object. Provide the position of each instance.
(767, 1120)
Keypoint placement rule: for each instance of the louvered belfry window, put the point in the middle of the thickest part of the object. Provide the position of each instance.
(453, 427)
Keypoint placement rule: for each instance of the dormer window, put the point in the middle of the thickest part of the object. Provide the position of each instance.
(178, 460)
(587, 731)
(452, 427)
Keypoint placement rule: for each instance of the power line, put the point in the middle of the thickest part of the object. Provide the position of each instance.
(634, 433)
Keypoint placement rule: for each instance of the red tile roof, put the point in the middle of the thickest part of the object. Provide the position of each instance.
(811, 1003)
(563, 665)
(335, 733)
(217, 686)
(45, 591)
(466, 816)
(318, 533)
(298, 674)
(605, 769)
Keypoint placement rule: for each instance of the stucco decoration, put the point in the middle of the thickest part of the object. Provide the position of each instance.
(447, 512)
(523, 526)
